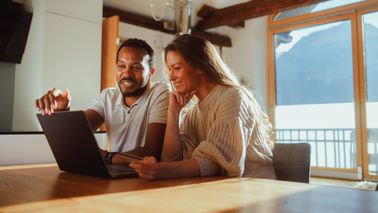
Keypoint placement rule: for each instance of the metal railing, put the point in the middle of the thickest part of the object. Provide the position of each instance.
(335, 148)
(330, 147)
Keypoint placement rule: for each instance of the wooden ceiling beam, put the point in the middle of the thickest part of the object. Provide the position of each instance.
(207, 11)
(147, 22)
(248, 10)
(220, 40)
(135, 19)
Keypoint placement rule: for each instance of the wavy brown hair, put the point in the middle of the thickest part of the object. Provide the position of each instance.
(200, 53)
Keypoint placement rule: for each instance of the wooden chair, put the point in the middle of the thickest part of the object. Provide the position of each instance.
(291, 162)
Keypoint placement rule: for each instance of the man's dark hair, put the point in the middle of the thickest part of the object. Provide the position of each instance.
(139, 44)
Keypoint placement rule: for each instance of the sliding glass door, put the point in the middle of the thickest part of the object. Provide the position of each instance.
(314, 92)
(323, 87)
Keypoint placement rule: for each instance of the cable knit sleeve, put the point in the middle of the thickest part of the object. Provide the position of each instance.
(227, 137)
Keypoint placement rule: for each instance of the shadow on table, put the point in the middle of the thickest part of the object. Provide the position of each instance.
(323, 199)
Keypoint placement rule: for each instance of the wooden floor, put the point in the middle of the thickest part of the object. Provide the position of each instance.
(366, 185)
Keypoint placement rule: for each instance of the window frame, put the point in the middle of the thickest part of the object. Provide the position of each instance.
(361, 67)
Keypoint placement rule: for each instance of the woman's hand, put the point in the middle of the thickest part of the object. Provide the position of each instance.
(178, 100)
(147, 168)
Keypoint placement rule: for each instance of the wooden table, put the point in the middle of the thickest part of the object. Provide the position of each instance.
(43, 188)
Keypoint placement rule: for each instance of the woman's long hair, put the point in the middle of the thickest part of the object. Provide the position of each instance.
(201, 54)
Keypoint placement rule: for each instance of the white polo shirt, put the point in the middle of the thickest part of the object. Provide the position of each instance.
(127, 126)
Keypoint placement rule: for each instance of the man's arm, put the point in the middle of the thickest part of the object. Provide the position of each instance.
(152, 146)
(94, 118)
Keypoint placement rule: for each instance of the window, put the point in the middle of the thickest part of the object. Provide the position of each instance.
(314, 91)
(323, 86)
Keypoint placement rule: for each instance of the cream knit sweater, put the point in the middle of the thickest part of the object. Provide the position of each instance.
(220, 132)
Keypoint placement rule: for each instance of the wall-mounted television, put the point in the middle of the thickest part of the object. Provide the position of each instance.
(14, 30)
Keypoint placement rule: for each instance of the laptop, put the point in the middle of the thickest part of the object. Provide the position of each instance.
(75, 148)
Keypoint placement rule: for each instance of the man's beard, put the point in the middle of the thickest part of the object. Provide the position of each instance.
(135, 93)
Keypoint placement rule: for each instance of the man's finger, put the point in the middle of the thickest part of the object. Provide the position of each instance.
(36, 103)
(57, 92)
(41, 106)
(51, 98)
(47, 104)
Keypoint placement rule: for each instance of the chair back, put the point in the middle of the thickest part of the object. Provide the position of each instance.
(291, 162)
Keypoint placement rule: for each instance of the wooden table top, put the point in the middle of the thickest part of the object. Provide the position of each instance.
(43, 188)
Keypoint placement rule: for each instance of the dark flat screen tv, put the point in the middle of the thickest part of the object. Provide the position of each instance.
(14, 30)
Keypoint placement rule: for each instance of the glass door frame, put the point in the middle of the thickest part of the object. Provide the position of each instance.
(361, 65)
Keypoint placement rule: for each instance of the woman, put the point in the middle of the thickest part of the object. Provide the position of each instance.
(225, 133)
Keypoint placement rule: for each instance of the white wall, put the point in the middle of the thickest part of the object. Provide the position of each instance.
(63, 50)
(24, 149)
(28, 79)
(31, 148)
(248, 55)
(85, 10)
(73, 58)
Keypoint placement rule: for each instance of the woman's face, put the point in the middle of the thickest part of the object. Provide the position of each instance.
(183, 76)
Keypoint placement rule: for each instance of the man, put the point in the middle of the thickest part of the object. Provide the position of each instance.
(135, 113)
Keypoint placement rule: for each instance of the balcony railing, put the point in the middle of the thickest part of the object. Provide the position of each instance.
(335, 148)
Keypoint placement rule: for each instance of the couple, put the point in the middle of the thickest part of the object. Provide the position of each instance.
(224, 133)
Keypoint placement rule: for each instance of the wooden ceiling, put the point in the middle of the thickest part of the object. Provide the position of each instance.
(233, 16)
(255, 8)
(147, 22)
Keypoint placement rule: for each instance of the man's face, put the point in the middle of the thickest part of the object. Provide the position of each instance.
(133, 71)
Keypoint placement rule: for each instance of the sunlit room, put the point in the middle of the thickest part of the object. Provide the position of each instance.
(308, 67)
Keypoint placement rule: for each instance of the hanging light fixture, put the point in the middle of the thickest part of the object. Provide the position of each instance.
(182, 14)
